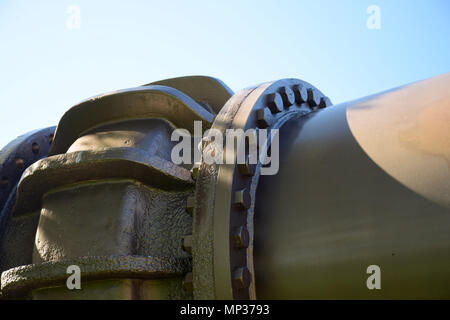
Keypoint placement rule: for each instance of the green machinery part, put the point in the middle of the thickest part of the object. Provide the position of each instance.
(361, 183)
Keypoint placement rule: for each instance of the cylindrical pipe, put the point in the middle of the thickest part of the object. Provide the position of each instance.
(361, 183)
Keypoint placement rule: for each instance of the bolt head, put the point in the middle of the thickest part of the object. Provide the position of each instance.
(247, 169)
(242, 199)
(187, 243)
(20, 163)
(301, 94)
(275, 102)
(324, 102)
(313, 97)
(288, 96)
(264, 118)
(241, 238)
(35, 148)
(241, 278)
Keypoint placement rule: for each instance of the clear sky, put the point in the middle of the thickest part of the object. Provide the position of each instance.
(48, 64)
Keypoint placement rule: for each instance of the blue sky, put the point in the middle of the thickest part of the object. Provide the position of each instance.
(46, 67)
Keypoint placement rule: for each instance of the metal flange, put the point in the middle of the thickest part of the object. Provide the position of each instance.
(225, 193)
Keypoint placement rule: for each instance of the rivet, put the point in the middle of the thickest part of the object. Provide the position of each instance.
(4, 182)
(288, 96)
(301, 94)
(35, 148)
(187, 243)
(190, 205)
(264, 118)
(242, 199)
(20, 163)
(275, 102)
(241, 237)
(241, 278)
(188, 282)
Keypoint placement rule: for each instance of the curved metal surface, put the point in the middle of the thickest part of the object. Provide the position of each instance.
(114, 163)
(20, 153)
(206, 90)
(136, 103)
(411, 138)
(362, 183)
(359, 184)
(22, 280)
(14, 159)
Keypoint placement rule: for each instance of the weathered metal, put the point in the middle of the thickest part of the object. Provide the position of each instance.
(18, 155)
(14, 159)
(225, 197)
(361, 183)
(210, 92)
(146, 102)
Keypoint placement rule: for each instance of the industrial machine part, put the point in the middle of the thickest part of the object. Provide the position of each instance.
(14, 159)
(360, 184)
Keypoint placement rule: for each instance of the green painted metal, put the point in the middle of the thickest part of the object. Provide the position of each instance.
(361, 183)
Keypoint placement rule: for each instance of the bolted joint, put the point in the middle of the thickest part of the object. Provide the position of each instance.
(313, 97)
(241, 237)
(20, 163)
(275, 102)
(242, 199)
(241, 278)
(288, 96)
(264, 118)
(247, 168)
(325, 102)
(35, 148)
(301, 94)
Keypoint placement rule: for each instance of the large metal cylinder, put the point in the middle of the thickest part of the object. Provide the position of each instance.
(360, 183)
